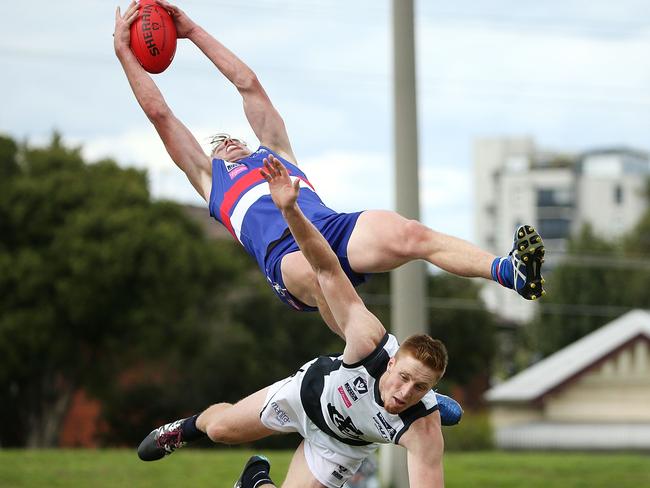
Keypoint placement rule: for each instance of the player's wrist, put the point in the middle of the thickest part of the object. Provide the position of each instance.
(195, 32)
(290, 209)
(122, 50)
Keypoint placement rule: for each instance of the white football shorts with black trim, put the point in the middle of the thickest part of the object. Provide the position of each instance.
(331, 462)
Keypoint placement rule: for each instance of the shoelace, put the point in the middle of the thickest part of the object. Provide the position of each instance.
(170, 440)
(518, 271)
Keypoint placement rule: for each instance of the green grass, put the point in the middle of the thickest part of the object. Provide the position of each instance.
(546, 470)
(121, 468)
(219, 468)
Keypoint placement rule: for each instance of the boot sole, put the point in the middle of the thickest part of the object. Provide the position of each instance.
(529, 249)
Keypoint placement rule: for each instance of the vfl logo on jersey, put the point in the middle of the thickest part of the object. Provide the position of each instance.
(234, 168)
(360, 385)
(386, 430)
(344, 424)
(345, 398)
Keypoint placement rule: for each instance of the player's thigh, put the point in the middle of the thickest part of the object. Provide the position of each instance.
(299, 277)
(299, 475)
(376, 243)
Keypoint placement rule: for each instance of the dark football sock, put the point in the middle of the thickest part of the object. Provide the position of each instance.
(257, 474)
(190, 431)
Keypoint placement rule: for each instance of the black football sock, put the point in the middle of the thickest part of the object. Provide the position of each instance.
(190, 431)
(257, 474)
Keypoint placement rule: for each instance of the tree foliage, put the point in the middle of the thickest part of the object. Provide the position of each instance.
(585, 295)
(105, 290)
(93, 274)
(468, 333)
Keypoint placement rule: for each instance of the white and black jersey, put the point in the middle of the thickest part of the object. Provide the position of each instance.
(338, 410)
(343, 400)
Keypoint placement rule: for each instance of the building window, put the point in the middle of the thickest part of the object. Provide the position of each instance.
(618, 194)
(554, 228)
(554, 197)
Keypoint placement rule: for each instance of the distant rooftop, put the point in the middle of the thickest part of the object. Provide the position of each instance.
(617, 150)
(632, 160)
(572, 361)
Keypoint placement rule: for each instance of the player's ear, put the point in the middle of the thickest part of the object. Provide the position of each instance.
(391, 363)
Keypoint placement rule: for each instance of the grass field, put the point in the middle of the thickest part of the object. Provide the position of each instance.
(220, 468)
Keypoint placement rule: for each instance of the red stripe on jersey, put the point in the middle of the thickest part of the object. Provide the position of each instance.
(305, 180)
(238, 189)
(233, 193)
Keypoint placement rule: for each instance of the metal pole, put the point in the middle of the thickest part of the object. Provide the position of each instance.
(408, 282)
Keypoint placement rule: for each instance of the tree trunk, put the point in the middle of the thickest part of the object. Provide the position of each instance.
(46, 419)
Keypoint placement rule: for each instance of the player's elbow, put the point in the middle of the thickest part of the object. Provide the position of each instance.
(247, 82)
(157, 113)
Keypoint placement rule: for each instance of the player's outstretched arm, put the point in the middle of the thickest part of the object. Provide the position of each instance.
(362, 330)
(264, 119)
(425, 445)
(181, 145)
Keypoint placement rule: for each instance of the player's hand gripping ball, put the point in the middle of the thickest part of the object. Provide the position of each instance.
(153, 37)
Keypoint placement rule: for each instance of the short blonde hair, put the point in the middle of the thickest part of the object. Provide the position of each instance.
(429, 351)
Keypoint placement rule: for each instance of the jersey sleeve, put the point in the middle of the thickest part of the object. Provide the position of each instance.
(375, 363)
(424, 407)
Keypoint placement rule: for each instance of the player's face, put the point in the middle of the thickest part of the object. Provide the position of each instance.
(405, 382)
(230, 148)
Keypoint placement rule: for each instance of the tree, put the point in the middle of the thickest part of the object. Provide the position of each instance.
(103, 289)
(577, 285)
(469, 332)
(94, 277)
(256, 341)
(583, 296)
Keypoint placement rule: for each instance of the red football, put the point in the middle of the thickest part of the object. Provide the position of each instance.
(153, 37)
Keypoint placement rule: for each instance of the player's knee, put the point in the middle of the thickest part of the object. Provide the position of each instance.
(218, 428)
(413, 240)
(221, 433)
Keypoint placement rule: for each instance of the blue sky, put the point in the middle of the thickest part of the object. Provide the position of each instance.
(574, 75)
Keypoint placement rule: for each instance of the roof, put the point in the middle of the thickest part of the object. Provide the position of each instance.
(560, 367)
(615, 151)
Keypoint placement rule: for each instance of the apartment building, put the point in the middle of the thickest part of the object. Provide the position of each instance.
(516, 182)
